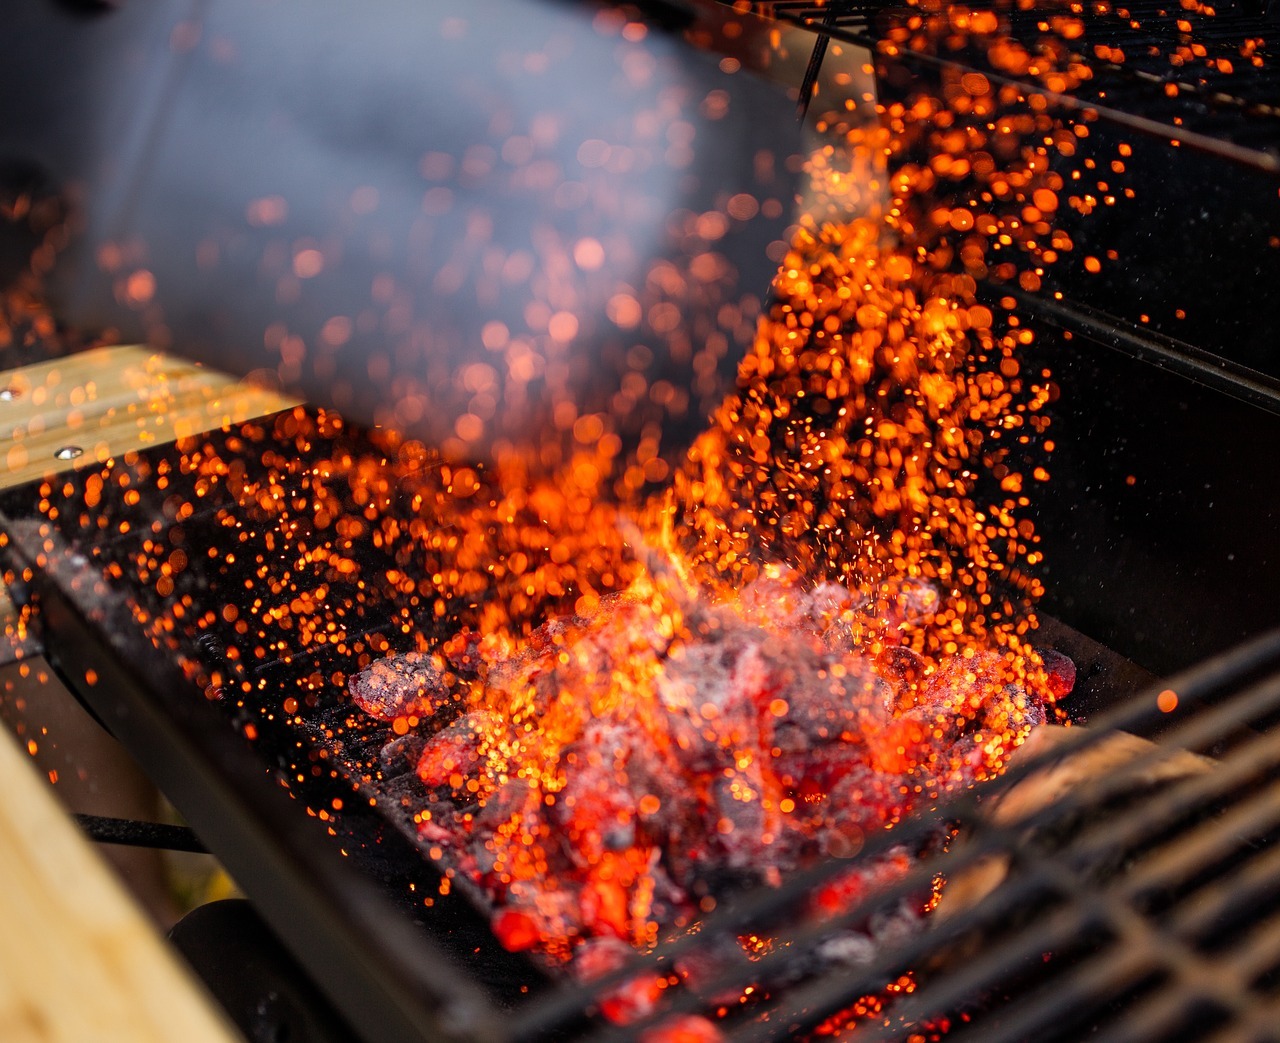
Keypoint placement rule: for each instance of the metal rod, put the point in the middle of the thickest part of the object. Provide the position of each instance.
(133, 833)
(814, 67)
(1159, 350)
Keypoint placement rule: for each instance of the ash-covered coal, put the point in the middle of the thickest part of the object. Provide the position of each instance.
(606, 778)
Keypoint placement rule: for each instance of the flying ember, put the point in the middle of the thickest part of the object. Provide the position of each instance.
(814, 629)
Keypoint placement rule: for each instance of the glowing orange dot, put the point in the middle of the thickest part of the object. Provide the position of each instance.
(649, 804)
(140, 287)
(563, 326)
(1045, 200)
(1167, 701)
(308, 263)
(779, 707)
(588, 254)
(1092, 264)
(786, 805)
(469, 427)
(624, 310)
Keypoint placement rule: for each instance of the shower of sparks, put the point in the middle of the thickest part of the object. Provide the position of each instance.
(883, 441)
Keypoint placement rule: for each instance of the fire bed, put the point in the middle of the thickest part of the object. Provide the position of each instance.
(328, 853)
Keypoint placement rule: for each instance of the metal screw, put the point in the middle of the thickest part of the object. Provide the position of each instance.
(69, 452)
(9, 394)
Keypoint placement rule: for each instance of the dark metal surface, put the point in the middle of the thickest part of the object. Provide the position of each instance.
(256, 980)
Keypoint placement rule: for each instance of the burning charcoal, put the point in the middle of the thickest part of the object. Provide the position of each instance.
(604, 907)
(431, 832)
(597, 957)
(893, 928)
(512, 798)
(536, 916)
(912, 603)
(1014, 710)
(978, 688)
(849, 888)
(840, 637)
(774, 598)
(622, 1004)
(683, 1028)
(907, 742)
(860, 803)
(669, 904)
(595, 810)
(670, 767)
(462, 653)
(706, 697)
(716, 959)
(403, 686)
(810, 774)
(1060, 671)
(401, 754)
(742, 828)
(903, 669)
(827, 602)
(829, 705)
(516, 930)
(454, 759)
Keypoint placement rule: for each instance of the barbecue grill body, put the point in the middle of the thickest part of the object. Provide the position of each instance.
(1167, 568)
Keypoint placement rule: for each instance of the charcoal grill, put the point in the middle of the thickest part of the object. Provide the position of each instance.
(1159, 538)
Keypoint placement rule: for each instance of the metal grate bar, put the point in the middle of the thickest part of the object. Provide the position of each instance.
(1205, 844)
(1262, 1023)
(1127, 962)
(1125, 830)
(1247, 886)
(1254, 956)
(1113, 971)
(1202, 721)
(1252, 702)
(809, 1006)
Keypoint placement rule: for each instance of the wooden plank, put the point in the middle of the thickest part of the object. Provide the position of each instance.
(109, 400)
(78, 960)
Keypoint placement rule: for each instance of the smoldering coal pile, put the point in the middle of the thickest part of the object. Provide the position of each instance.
(605, 779)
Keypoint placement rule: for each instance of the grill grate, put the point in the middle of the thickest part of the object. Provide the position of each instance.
(1160, 920)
